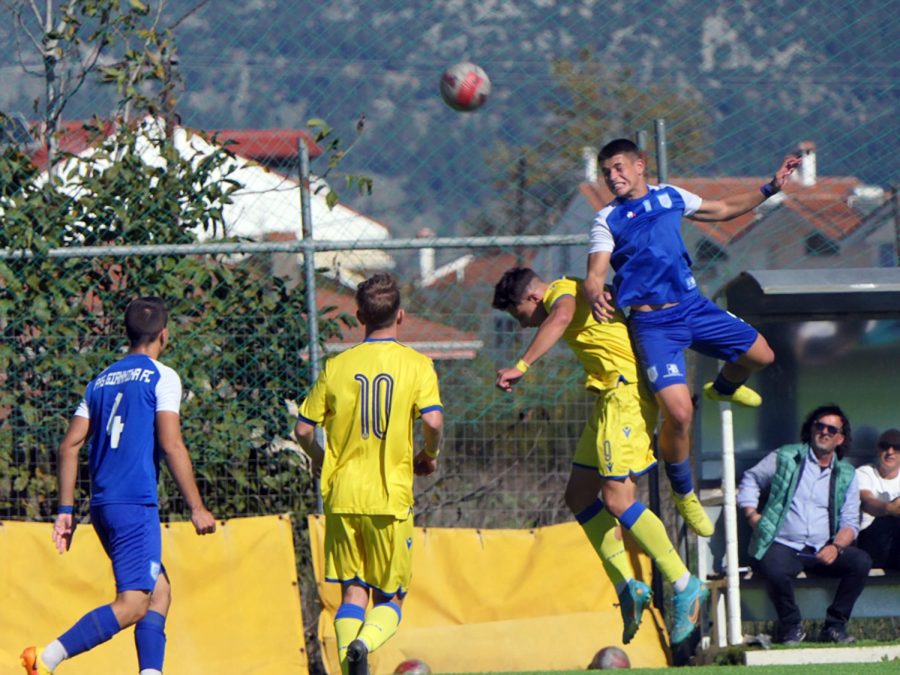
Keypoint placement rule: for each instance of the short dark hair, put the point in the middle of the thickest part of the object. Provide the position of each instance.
(145, 319)
(620, 146)
(509, 291)
(378, 300)
(821, 411)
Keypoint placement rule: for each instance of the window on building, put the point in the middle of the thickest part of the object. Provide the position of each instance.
(506, 332)
(709, 252)
(887, 255)
(819, 245)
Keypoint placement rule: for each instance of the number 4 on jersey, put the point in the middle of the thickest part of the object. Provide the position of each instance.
(115, 426)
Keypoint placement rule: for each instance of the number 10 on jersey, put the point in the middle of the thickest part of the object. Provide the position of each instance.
(375, 404)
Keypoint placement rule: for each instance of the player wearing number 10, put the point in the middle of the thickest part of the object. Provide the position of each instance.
(130, 413)
(367, 398)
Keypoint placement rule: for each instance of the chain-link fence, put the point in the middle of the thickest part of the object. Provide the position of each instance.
(177, 124)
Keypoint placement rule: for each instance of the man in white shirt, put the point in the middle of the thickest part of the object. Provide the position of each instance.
(879, 494)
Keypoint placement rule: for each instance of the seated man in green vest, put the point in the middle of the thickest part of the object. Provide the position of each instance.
(809, 522)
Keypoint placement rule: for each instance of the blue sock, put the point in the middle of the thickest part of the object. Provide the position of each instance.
(680, 477)
(725, 386)
(94, 628)
(150, 641)
(631, 514)
(588, 513)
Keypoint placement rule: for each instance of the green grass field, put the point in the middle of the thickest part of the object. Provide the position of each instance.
(881, 668)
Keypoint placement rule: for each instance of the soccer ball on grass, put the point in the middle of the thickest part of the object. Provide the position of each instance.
(609, 658)
(413, 667)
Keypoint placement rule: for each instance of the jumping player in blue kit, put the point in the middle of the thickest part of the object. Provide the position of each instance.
(639, 234)
(130, 416)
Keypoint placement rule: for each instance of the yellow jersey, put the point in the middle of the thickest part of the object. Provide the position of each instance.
(368, 398)
(603, 349)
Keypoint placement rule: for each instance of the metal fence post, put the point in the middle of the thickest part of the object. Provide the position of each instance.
(309, 269)
(662, 151)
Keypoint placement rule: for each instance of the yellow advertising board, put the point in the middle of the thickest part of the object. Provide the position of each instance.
(501, 600)
(235, 599)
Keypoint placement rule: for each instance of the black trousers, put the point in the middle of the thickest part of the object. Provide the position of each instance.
(781, 565)
(881, 540)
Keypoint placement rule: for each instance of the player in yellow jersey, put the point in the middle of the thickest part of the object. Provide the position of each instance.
(615, 446)
(367, 398)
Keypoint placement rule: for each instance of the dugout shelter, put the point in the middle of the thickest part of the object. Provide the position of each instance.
(836, 338)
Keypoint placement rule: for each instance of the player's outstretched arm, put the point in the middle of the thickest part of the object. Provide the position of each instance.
(737, 205)
(547, 335)
(595, 286)
(425, 462)
(67, 472)
(168, 432)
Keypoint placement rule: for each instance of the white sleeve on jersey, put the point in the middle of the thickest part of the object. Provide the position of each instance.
(601, 237)
(692, 202)
(82, 410)
(168, 389)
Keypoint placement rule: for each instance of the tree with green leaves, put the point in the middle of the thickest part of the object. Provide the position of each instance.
(239, 332)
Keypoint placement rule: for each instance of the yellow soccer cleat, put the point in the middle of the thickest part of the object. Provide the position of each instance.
(694, 514)
(743, 395)
(32, 663)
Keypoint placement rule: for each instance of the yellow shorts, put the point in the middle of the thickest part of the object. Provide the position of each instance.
(375, 551)
(617, 440)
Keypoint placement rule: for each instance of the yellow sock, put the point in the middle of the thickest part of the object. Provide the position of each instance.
(347, 622)
(381, 623)
(605, 536)
(651, 534)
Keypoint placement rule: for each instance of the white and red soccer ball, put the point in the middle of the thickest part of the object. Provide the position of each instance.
(609, 658)
(465, 86)
(413, 667)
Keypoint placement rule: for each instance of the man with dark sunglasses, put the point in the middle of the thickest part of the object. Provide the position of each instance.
(808, 523)
(879, 495)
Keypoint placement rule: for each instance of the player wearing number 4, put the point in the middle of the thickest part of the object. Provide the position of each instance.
(367, 398)
(615, 447)
(130, 413)
(639, 234)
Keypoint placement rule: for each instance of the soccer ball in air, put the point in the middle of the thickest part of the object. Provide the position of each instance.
(608, 658)
(465, 87)
(413, 667)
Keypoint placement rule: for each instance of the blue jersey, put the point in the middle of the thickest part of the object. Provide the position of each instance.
(647, 252)
(121, 404)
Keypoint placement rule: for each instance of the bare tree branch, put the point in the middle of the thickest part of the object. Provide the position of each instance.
(187, 14)
(37, 12)
(20, 22)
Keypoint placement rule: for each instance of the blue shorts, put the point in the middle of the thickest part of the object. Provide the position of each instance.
(131, 537)
(661, 336)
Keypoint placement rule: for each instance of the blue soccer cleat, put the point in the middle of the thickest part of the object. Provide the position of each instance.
(632, 601)
(687, 610)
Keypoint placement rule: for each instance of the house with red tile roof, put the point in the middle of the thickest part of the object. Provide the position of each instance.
(267, 205)
(272, 148)
(275, 149)
(436, 340)
(817, 221)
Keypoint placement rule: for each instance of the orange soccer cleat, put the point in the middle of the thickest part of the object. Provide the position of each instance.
(32, 663)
